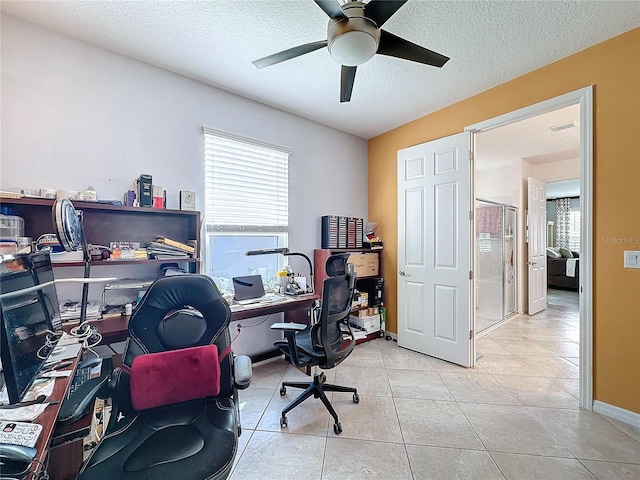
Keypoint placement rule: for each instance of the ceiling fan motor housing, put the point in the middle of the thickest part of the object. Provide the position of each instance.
(353, 40)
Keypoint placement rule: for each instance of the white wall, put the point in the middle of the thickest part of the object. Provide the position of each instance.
(75, 115)
(495, 184)
(554, 171)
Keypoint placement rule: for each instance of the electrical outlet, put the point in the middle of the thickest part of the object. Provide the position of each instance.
(631, 259)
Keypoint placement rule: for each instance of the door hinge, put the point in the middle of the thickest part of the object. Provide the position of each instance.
(470, 156)
(470, 334)
(470, 275)
(470, 215)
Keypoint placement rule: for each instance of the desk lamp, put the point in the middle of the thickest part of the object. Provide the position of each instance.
(286, 253)
(70, 230)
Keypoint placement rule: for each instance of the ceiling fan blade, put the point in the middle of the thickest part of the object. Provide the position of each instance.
(331, 8)
(347, 76)
(394, 46)
(289, 54)
(382, 10)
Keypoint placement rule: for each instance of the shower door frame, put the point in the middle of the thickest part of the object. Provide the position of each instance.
(503, 308)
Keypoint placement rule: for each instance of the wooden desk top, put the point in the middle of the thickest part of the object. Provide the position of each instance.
(115, 329)
(48, 418)
(297, 302)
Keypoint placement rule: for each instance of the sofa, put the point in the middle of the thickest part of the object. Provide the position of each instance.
(557, 274)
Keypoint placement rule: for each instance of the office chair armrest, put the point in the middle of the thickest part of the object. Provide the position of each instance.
(242, 371)
(288, 326)
(289, 329)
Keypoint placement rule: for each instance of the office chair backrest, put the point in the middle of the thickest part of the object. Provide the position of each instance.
(337, 264)
(177, 312)
(332, 332)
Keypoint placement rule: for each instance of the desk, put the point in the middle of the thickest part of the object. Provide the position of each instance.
(48, 418)
(292, 307)
(295, 308)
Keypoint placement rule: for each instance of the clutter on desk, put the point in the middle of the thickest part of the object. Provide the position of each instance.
(31, 412)
(70, 310)
(167, 248)
(129, 292)
(371, 240)
(12, 239)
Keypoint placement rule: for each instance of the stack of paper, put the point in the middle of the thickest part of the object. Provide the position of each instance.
(166, 248)
(71, 310)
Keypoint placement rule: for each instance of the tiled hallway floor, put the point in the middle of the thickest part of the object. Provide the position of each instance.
(514, 416)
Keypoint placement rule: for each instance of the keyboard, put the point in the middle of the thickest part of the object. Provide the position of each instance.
(20, 433)
(81, 376)
(269, 298)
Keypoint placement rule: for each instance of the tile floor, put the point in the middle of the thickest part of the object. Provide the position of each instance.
(514, 416)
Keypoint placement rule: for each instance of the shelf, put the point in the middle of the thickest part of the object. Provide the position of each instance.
(45, 202)
(127, 262)
(353, 250)
(105, 223)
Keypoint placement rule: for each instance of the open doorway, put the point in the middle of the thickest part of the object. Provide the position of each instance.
(546, 147)
(508, 151)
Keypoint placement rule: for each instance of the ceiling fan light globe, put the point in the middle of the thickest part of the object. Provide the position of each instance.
(353, 48)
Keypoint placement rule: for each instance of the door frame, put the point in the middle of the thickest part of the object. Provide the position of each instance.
(583, 97)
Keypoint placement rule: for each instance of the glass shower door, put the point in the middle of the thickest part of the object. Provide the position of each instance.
(489, 264)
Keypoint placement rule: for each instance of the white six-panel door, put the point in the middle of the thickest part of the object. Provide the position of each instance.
(434, 249)
(537, 245)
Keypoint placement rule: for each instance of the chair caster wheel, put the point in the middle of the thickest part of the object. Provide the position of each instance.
(337, 428)
(323, 377)
(283, 391)
(356, 398)
(283, 422)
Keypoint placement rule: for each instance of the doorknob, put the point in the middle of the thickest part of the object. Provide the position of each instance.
(402, 273)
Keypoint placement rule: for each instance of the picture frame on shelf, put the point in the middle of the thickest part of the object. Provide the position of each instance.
(187, 200)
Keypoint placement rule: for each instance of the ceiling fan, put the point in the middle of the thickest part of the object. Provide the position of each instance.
(354, 36)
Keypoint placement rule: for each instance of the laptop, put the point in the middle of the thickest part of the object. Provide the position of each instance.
(248, 289)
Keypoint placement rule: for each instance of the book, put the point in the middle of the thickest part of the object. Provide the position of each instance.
(174, 243)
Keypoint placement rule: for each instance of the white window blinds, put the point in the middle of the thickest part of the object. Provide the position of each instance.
(246, 184)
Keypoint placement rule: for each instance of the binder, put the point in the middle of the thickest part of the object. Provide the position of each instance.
(359, 233)
(351, 232)
(342, 232)
(329, 231)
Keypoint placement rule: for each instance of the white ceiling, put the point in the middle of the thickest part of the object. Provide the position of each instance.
(489, 42)
(531, 139)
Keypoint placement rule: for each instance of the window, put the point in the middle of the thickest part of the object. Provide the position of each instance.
(574, 231)
(246, 206)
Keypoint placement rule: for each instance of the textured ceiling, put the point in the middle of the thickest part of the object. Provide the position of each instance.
(489, 42)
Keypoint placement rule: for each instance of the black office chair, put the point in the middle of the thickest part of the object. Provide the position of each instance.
(325, 343)
(170, 419)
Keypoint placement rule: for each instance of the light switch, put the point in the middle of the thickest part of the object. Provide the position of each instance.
(631, 259)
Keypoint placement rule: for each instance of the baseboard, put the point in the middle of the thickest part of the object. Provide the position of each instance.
(618, 413)
(394, 336)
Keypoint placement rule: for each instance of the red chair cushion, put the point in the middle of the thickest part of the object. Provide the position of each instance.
(175, 376)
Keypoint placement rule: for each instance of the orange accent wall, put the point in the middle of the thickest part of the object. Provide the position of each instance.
(613, 68)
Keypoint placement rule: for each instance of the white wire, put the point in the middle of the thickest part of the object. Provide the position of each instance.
(49, 342)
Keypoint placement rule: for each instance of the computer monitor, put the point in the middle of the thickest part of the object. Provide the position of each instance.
(29, 311)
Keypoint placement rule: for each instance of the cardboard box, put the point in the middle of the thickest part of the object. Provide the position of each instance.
(367, 323)
(365, 264)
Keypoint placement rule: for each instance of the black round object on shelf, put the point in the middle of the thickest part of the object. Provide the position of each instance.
(67, 224)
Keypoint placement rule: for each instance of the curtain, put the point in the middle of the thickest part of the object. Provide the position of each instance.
(563, 221)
